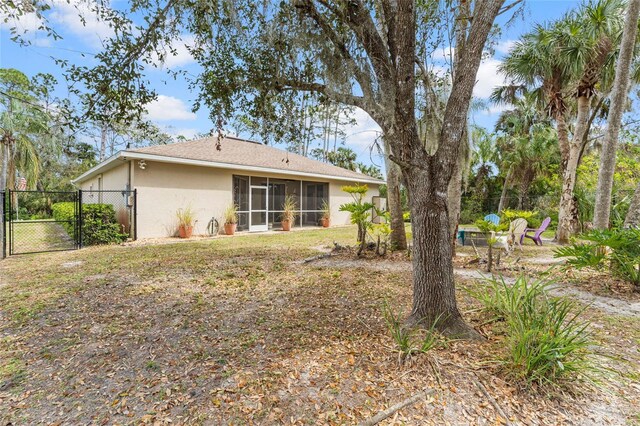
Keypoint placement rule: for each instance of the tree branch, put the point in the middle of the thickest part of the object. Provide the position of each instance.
(359, 19)
(362, 77)
(144, 40)
(505, 9)
(303, 86)
(455, 115)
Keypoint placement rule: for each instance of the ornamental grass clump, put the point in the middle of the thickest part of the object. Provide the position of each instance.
(546, 340)
(410, 341)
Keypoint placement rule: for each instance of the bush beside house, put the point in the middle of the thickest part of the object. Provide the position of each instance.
(99, 224)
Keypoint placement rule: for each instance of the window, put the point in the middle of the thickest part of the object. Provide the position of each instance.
(314, 194)
(308, 196)
(241, 199)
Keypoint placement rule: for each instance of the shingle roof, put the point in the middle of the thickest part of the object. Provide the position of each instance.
(236, 151)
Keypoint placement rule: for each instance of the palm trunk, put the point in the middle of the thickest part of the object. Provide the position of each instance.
(505, 189)
(566, 221)
(454, 196)
(398, 237)
(632, 220)
(563, 140)
(5, 167)
(618, 102)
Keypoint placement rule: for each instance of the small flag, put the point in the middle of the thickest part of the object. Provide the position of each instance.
(22, 184)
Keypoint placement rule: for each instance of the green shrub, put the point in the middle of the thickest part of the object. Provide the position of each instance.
(99, 224)
(406, 216)
(65, 212)
(486, 226)
(546, 340)
(532, 218)
(617, 249)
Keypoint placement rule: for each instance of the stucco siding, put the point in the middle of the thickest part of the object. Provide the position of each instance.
(115, 178)
(337, 197)
(163, 188)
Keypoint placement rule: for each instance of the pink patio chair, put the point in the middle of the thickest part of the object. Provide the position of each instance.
(536, 232)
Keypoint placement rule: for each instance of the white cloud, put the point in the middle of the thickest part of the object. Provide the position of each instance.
(182, 57)
(443, 54)
(488, 78)
(23, 24)
(28, 26)
(361, 136)
(77, 17)
(167, 108)
(188, 133)
(495, 109)
(80, 18)
(505, 46)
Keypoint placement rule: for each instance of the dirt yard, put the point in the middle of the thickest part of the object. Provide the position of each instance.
(241, 331)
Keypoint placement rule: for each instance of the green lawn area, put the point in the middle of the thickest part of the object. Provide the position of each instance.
(42, 235)
(238, 330)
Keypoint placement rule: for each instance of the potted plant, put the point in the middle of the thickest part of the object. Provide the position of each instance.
(288, 212)
(325, 220)
(230, 219)
(186, 220)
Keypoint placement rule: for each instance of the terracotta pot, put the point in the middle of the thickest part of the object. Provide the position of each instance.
(286, 225)
(230, 228)
(185, 231)
(324, 222)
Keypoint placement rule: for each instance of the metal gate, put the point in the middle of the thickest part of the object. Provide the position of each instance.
(46, 221)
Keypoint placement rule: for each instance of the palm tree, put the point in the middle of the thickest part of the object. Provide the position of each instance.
(589, 47)
(525, 143)
(19, 126)
(619, 94)
(569, 59)
(482, 156)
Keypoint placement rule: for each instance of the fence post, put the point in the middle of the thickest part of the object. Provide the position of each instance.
(79, 218)
(3, 216)
(135, 214)
(7, 214)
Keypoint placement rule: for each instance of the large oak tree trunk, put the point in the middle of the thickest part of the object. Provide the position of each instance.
(618, 102)
(398, 237)
(433, 282)
(632, 220)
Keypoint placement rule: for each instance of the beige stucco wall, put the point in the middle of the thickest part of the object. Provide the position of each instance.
(337, 197)
(163, 188)
(115, 178)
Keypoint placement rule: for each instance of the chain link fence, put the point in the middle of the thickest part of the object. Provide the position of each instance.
(45, 221)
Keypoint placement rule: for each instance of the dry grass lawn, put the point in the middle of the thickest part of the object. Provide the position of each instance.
(240, 331)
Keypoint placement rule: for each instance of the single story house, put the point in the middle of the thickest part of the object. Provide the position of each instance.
(197, 175)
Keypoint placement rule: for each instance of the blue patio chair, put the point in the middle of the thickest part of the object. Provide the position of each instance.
(493, 218)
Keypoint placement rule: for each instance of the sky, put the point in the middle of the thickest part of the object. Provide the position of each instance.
(172, 111)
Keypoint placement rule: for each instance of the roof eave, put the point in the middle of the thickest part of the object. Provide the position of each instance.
(107, 164)
(132, 155)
